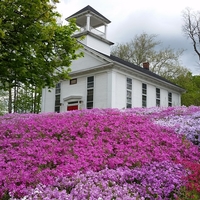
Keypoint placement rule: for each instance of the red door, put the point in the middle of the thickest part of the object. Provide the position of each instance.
(72, 107)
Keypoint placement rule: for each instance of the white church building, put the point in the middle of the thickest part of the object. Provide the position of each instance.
(100, 80)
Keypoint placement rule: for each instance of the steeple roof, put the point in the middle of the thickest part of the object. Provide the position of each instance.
(89, 10)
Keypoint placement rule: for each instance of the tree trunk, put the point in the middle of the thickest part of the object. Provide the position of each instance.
(15, 98)
(39, 100)
(35, 99)
(10, 100)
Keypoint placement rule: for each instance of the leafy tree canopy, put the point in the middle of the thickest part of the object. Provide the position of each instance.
(34, 49)
(146, 48)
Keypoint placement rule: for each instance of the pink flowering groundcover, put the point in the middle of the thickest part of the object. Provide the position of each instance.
(139, 153)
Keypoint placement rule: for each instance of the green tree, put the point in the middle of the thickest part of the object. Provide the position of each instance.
(27, 99)
(34, 49)
(192, 85)
(146, 48)
(140, 49)
(196, 80)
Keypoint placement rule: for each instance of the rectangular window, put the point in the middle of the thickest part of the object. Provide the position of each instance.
(57, 100)
(128, 93)
(158, 102)
(57, 109)
(144, 88)
(90, 82)
(144, 95)
(89, 105)
(144, 101)
(158, 97)
(129, 83)
(72, 102)
(90, 92)
(58, 88)
(90, 95)
(57, 97)
(169, 99)
(73, 81)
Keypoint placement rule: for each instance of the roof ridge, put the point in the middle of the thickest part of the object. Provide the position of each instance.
(88, 9)
(136, 67)
(139, 68)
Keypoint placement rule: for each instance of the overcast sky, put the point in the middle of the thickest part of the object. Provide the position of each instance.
(128, 18)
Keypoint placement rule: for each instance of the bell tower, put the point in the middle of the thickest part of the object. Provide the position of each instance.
(93, 26)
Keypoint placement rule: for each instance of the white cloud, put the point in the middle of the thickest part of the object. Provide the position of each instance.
(129, 18)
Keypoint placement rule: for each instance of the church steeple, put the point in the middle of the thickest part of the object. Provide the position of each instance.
(93, 26)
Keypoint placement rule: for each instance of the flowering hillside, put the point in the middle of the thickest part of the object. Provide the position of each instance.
(108, 154)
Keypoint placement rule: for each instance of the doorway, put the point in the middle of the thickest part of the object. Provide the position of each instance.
(74, 107)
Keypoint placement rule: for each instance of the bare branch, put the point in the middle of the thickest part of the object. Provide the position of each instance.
(191, 28)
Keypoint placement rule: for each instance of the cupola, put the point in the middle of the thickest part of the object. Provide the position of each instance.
(93, 26)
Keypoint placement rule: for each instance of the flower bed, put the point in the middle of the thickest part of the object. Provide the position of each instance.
(98, 154)
(183, 120)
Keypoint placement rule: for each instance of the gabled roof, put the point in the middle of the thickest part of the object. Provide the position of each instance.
(137, 68)
(88, 9)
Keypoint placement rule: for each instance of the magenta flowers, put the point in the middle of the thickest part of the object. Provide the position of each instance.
(72, 155)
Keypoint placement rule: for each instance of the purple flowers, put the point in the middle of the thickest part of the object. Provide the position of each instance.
(184, 121)
(96, 154)
(153, 181)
